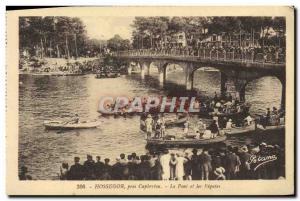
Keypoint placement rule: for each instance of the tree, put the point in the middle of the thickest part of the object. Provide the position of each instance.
(118, 44)
(44, 36)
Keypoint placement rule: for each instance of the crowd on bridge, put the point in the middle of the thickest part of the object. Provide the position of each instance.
(267, 54)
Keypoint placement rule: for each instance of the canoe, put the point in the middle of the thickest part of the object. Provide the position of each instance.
(240, 130)
(185, 142)
(60, 125)
(270, 128)
(173, 120)
(251, 129)
(109, 75)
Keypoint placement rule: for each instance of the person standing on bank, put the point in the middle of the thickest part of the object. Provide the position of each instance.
(76, 171)
(173, 167)
(164, 161)
(195, 165)
(89, 168)
(206, 167)
(99, 165)
(180, 166)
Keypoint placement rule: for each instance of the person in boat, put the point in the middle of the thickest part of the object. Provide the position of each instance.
(216, 97)
(216, 118)
(149, 124)
(214, 128)
(248, 120)
(229, 124)
(74, 120)
(76, 171)
(275, 111)
(162, 127)
(228, 106)
(268, 116)
(223, 122)
(64, 169)
(201, 125)
(186, 128)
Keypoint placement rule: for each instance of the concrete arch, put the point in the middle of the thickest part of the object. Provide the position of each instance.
(208, 76)
(174, 72)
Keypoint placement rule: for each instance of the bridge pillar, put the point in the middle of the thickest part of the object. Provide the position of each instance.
(240, 87)
(141, 66)
(129, 69)
(145, 68)
(148, 70)
(223, 84)
(162, 72)
(189, 75)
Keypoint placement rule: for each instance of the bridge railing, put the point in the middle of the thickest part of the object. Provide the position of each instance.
(208, 54)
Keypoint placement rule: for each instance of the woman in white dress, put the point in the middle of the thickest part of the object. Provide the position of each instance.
(180, 168)
(164, 161)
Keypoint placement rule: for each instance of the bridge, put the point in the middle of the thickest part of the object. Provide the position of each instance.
(237, 67)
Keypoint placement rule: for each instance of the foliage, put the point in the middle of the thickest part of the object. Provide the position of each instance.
(149, 31)
(118, 44)
(52, 36)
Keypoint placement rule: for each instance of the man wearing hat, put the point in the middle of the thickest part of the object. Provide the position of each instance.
(195, 166)
(76, 171)
(89, 168)
(245, 159)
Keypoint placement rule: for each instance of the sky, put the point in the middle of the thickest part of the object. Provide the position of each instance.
(106, 27)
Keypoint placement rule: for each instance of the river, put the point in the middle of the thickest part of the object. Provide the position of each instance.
(48, 97)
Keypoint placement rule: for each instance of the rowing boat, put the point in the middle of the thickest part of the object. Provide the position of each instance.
(61, 125)
(240, 130)
(185, 141)
(251, 129)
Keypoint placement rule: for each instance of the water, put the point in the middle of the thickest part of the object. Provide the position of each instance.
(47, 97)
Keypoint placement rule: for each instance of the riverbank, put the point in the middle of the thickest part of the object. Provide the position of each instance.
(57, 65)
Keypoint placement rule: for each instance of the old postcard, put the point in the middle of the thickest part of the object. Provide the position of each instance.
(150, 101)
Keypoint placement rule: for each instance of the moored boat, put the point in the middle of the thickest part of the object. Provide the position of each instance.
(252, 128)
(61, 125)
(239, 130)
(184, 141)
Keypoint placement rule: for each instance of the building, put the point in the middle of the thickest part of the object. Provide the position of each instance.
(175, 40)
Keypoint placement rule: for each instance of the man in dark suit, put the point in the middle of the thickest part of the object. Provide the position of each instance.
(76, 171)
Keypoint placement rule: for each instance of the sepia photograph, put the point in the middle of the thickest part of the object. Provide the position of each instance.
(141, 101)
